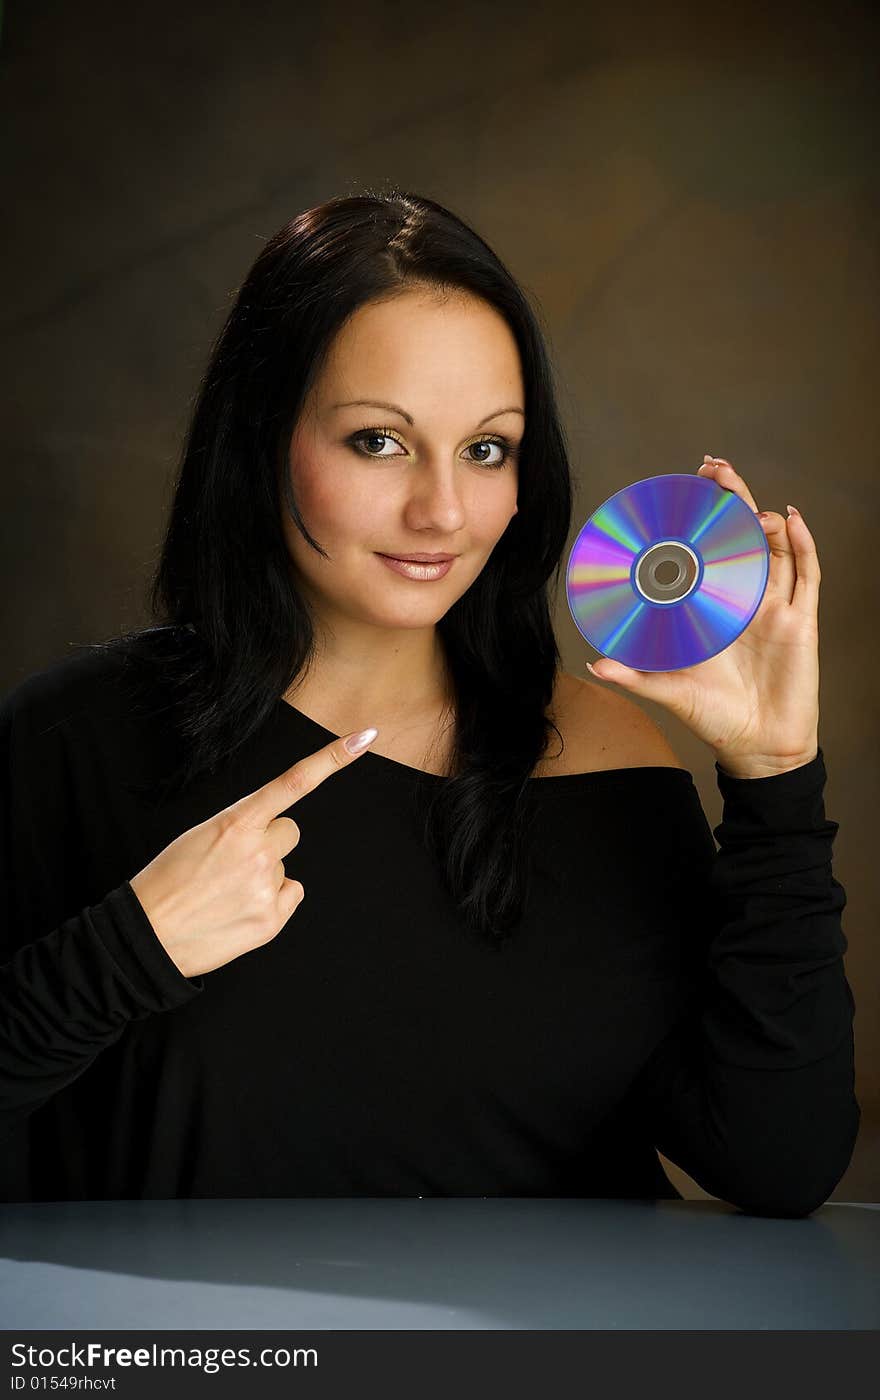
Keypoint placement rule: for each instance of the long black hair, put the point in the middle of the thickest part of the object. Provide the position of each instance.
(231, 630)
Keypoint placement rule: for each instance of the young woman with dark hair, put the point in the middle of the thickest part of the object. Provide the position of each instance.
(499, 964)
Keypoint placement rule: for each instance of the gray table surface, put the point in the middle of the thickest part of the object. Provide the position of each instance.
(434, 1262)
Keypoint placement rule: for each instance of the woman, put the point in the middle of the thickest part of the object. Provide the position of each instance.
(474, 962)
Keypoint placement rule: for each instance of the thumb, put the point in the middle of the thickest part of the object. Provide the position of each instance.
(664, 687)
(616, 671)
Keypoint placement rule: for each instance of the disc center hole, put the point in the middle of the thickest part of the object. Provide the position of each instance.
(667, 572)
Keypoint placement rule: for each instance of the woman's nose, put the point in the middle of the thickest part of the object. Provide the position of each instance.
(436, 500)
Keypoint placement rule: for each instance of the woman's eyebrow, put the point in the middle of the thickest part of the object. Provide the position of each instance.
(393, 408)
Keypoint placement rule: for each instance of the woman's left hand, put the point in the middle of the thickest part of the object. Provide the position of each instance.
(756, 704)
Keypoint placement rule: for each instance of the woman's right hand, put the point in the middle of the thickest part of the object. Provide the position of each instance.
(219, 889)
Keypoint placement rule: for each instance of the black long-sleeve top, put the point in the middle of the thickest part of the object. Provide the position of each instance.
(659, 993)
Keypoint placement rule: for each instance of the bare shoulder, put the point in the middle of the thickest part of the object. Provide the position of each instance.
(601, 728)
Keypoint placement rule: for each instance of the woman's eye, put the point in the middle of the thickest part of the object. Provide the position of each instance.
(373, 435)
(502, 447)
(368, 438)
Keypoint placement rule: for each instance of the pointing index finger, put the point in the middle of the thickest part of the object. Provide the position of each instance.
(269, 801)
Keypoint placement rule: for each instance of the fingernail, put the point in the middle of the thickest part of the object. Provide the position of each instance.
(792, 511)
(356, 742)
(763, 515)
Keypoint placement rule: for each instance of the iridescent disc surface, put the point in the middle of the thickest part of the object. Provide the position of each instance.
(667, 572)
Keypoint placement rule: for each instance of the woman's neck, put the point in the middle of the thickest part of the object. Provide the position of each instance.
(401, 677)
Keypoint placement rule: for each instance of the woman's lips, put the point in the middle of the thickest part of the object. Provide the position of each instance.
(416, 571)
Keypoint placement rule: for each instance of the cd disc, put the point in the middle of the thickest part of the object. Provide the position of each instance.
(667, 572)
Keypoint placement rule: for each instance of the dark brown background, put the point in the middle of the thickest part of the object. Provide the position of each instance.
(688, 193)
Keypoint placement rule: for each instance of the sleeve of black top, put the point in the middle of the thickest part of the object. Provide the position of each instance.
(752, 1093)
(69, 993)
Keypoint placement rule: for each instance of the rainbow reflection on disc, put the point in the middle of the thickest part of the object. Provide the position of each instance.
(667, 572)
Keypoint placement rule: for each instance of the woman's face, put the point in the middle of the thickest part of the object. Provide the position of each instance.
(368, 482)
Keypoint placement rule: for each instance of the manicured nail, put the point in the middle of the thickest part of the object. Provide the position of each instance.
(355, 742)
(792, 511)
